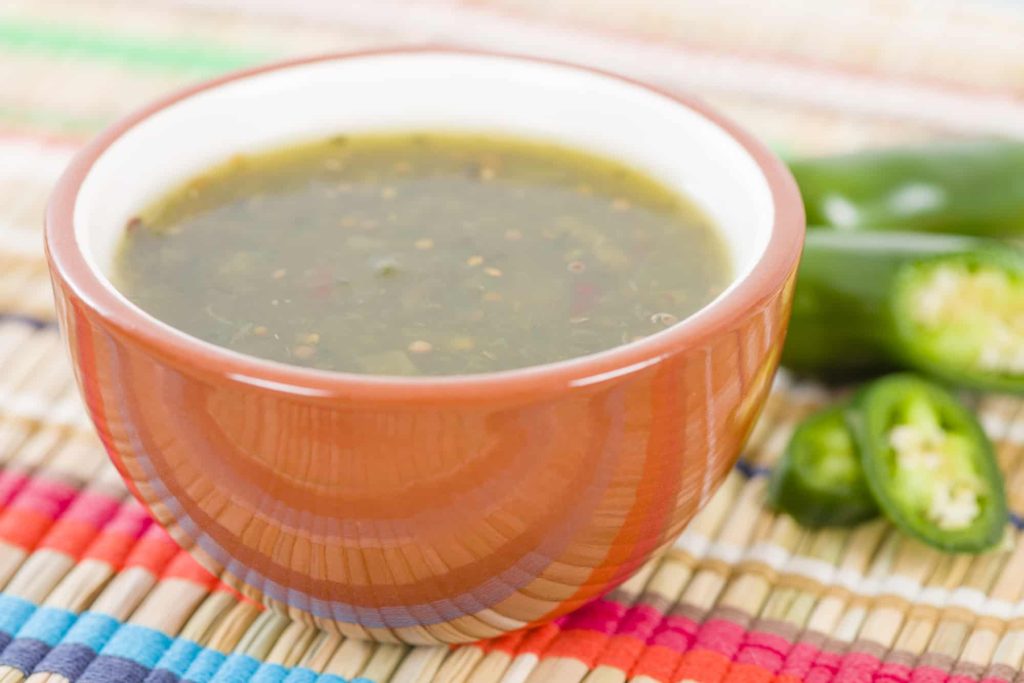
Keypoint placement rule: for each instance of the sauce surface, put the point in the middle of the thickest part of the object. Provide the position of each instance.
(421, 254)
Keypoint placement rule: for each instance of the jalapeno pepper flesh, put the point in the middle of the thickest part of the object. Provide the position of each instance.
(928, 464)
(970, 188)
(819, 480)
(961, 318)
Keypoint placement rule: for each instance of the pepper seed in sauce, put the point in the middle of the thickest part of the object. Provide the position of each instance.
(420, 346)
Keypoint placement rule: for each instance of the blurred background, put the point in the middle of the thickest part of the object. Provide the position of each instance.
(805, 76)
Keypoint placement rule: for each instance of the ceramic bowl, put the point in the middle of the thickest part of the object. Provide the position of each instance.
(436, 508)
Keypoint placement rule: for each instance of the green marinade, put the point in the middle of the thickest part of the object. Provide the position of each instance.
(421, 254)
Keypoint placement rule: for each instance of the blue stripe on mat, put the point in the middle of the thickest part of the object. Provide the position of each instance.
(204, 666)
(138, 644)
(30, 320)
(92, 630)
(48, 624)
(269, 673)
(237, 669)
(751, 470)
(105, 669)
(69, 660)
(95, 647)
(14, 612)
(24, 654)
(70, 654)
(300, 676)
(162, 676)
(175, 661)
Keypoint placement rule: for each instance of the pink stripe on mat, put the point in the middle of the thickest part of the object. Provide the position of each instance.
(640, 641)
(11, 482)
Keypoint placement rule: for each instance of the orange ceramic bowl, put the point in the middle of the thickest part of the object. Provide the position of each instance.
(438, 508)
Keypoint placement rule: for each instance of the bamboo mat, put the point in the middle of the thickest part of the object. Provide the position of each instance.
(92, 590)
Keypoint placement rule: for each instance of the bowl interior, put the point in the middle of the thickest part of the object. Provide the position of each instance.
(428, 91)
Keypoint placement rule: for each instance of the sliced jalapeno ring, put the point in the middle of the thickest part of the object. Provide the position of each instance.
(819, 481)
(961, 318)
(929, 464)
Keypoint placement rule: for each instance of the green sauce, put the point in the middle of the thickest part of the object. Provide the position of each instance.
(421, 254)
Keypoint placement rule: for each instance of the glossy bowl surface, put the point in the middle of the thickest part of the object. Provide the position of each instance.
(427, 509)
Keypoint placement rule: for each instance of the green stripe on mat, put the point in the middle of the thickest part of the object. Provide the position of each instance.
(87, 42)
(50, 121)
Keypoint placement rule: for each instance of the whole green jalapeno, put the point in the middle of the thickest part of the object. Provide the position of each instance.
(971, 188)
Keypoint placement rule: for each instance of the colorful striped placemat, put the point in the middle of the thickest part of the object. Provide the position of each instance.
(92, 590)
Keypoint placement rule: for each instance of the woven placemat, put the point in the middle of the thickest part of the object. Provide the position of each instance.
(92, 590)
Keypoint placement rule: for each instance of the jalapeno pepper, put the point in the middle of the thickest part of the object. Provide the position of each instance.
(947, 305)
(819, 480)
(838, 326)
(928, 464)
(970, 188)
(961, 318)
